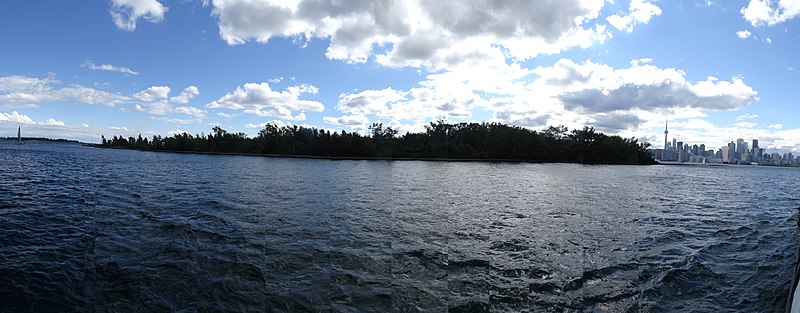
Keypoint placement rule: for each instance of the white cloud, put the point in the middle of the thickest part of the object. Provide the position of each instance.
(770, 13)
(183, 121)
(278, 123)
(649, 88)
(347, 120)
(187, 94)
(639, 12)
(52, 121)
(156, 101)
(436, 34)
(776, 126)
(15, 117)
(259, 99)
(27, 91)
(746, 116)
(126, 13)
(745, 124)
(156, 108)
(446, 95)
(768, 40)
(109, 67)
(191, 111)
(744, 34)
(226, 115)
(85, 125)
(153, 93)
(568, 93)
(369, 101)
(24, 119)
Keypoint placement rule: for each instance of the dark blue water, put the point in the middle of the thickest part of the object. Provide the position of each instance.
(84, 229)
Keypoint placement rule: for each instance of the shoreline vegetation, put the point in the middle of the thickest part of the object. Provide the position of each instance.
(38, 139)
(440, 142)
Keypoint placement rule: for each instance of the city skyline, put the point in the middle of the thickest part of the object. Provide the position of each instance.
(735, 152)
(123, 67)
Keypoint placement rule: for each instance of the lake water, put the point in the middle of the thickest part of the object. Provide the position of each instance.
(85, 229)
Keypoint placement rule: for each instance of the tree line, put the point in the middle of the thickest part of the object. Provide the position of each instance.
(482, 141)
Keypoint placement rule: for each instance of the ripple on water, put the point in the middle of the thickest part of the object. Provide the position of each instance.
(112, 230)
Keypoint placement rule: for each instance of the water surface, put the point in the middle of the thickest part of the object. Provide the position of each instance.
(84, 229)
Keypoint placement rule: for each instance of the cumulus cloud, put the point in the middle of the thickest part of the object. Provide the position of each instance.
(108, 67)
(126, 13)
(278, 123)
(744, 34)
(416, 33)
(153, 93)
(15, 117)
(23, 83)
(639, 12)
(25, 91)
(52, 121)
(191, 111)
(615, 122)
(527, 119)
(769, 13)
(648, 87)
(259, 99)
(156, 100)
(187, 94)
(347, 120)
(438, 97)
(369, 101)
(615, 100)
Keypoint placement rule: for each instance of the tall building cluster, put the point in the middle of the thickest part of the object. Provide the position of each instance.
(735, 152)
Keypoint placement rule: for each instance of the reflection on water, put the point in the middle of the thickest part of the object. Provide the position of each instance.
(85, 229)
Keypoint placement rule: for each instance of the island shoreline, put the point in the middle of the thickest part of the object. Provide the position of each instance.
(353, 158)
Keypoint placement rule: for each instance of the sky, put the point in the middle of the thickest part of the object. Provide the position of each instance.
(714, 70)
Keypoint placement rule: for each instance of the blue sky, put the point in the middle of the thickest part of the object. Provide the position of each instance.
(717, 70)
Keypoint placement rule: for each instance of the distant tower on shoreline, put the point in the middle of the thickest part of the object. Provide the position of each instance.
(666, 131)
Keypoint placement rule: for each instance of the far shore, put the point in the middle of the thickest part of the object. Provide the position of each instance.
(336, 158)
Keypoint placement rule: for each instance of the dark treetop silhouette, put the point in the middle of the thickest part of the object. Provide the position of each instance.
(441, 140)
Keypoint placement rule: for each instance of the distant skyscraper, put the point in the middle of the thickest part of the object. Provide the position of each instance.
(756, 156)
(741, 147)
(674, 143)
(726, 154)
(731, 152)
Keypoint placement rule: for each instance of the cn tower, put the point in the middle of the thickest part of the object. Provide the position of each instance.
(664, 154)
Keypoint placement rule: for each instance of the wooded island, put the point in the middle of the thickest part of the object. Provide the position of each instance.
(441, 140)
